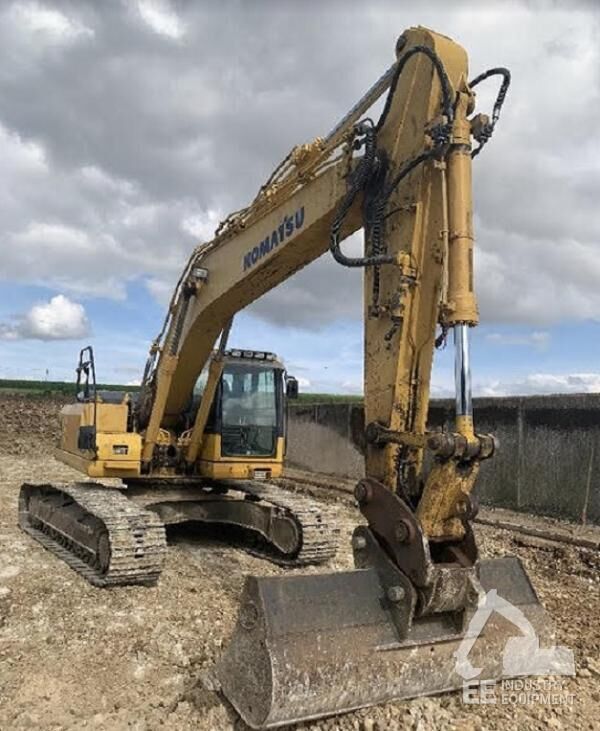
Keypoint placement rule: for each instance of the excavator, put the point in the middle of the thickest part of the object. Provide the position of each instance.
(117, 536)
(308, 646)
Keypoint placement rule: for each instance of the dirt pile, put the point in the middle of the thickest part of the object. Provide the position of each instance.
(29, 422)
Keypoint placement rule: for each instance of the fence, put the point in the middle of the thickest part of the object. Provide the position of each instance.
(548, 461)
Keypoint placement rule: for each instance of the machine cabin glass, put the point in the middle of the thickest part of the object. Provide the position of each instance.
(250, 412)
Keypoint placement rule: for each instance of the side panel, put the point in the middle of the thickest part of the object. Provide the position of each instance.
(71, 418)
(110, 418)
(118, 452)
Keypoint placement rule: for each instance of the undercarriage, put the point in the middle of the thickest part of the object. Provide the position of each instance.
(117, 536)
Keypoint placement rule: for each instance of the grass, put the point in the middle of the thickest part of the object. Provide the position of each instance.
(52, 388)
(328, 398)
(59, 388)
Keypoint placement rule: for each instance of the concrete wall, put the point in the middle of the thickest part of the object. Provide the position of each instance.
(548, 461)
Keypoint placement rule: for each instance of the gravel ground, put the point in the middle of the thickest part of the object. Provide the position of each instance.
(72, 656)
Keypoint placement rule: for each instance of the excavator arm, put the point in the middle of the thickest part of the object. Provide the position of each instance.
(309, 646)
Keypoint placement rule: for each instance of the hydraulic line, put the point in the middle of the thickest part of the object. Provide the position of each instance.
(505, 74)
(370, 166)
(442, 75)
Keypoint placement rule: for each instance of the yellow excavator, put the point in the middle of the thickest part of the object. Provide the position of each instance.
(117, 536)
(307, 646)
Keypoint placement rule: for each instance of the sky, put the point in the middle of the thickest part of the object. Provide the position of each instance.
(130, 128)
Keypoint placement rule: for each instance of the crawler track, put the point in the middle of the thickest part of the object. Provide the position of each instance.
(134, 539)
(319, 532)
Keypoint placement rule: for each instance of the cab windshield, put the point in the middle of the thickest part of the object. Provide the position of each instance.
(249, 409)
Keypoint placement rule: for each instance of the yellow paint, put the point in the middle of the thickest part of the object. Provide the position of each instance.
(106, 462)
(462, 305)
(464, 426)
(446, 486)
(212, 464)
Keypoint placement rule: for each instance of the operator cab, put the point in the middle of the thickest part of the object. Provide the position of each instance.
(248, 412)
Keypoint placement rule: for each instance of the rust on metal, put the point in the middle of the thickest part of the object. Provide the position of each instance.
(327, 644)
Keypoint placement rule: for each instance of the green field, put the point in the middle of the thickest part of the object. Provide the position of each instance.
(52, 388)
(329, 398)
(58, 388)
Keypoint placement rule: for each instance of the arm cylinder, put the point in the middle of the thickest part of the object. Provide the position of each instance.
(462, 304)
(461, 295)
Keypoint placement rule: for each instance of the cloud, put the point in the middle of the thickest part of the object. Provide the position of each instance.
(352, 386)
(127, 130)
(163, 20)
(542, 383)
(161, 291)
(537, 339)
(84, 231)
(45, 24)
(58, 319)
(202, 225)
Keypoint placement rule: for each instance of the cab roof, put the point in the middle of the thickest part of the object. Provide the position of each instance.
(257, 357)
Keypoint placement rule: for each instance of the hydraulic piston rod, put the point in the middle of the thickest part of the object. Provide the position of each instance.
(462, 380)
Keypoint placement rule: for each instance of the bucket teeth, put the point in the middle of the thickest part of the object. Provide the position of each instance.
(306, 647)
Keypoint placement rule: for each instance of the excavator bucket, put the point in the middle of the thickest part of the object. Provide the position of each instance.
(311, 646)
